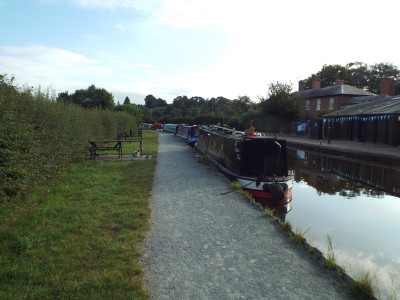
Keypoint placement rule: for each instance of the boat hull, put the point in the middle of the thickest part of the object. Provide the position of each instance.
(269, 190)
(259, 164)
(189, 134)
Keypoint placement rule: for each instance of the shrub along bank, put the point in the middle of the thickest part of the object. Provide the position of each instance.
(38, 136)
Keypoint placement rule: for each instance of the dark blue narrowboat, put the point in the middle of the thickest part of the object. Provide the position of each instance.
(258, 163)
(189, 134)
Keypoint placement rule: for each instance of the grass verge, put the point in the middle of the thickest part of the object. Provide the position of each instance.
(80, 238)
(330, 260)
(299, 236)
(362, 288)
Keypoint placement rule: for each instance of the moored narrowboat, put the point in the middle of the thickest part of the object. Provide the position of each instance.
(158, 126)
(258, 163)
(146, 126)
(189, 134)
(172, 128)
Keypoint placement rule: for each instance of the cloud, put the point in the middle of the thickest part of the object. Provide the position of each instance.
(36, 65)
(42, 54)
(357, 263)
(147, 5)
(63, 70)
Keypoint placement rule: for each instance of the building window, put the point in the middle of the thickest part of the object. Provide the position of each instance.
(307, 104)
(318, 104)
(331, 101)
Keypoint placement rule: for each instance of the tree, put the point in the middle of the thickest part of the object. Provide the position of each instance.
(181, 102)
(328, 75)
(242, 104)
(377, 71)
(89, 98)
(161, 103)
(64, 97)
(358, 74)
(281, 102)
(132, 109)
(224, 107)
(127, 100)
(152, 102)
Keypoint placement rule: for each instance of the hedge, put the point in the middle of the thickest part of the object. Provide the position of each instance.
(39, 136)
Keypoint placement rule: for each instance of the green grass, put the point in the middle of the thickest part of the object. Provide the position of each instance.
(330, 260)
(276, 219)
(205, 160)
(287, 226)
(394, 289)
(310, 249)
(80, 237)
(269, 212)
(247, 195)
(235, 185)
(363, 287)
(299, 236)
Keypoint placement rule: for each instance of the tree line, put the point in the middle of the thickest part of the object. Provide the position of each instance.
(358, 74)
(280, 104)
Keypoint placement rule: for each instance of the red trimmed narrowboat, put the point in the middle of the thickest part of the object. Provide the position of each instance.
(258, 163)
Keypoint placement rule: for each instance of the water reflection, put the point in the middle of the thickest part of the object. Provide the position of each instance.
(357, 204)
(330, 175)
(280, 210)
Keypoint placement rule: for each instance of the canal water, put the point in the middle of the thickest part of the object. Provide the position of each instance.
(356, 204)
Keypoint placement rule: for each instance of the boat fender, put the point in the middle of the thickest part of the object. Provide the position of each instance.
(266, 187)
(277, 191)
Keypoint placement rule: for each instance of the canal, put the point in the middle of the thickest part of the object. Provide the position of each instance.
(356, 204)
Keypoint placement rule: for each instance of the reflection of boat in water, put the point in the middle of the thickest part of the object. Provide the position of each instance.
(280, 210)
(258, 163)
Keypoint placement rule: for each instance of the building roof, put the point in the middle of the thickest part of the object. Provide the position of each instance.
(333, 91)
(388, 106)
(363, 99)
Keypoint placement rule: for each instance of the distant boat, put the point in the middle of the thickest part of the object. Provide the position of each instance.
(146, 126)
(189, 134)
(258, 163)
(172, 128)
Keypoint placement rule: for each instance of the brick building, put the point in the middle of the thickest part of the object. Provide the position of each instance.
(324, 100)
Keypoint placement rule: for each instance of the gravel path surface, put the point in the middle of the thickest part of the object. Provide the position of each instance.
(204, 245)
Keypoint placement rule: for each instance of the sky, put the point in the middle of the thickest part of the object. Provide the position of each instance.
(206, 48)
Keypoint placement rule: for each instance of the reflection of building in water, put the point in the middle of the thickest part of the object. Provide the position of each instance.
(331, 174)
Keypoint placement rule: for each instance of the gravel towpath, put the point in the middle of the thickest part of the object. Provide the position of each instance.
(205, 245)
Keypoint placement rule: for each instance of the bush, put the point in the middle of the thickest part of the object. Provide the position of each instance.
(39, 136)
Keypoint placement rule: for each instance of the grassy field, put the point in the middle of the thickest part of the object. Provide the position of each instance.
(79, 237)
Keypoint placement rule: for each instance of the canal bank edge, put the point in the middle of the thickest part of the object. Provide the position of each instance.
(347, 283)
(367, 151)
(318, 257)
